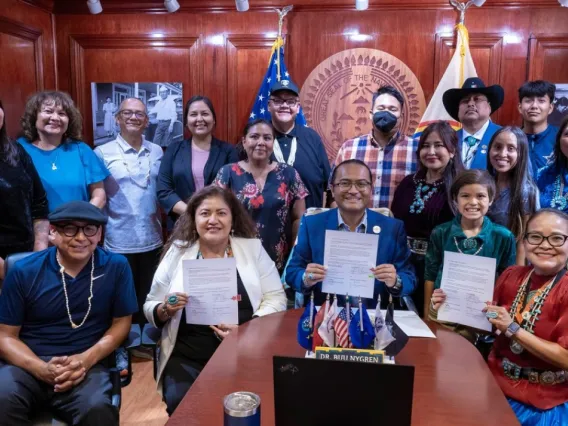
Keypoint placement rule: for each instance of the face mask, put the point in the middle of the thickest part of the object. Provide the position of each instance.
(384, 121)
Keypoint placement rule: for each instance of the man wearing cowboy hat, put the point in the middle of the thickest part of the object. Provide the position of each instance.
(471, 106)
(166, 114)
(63, 311)
(351, 183)
(298, 146)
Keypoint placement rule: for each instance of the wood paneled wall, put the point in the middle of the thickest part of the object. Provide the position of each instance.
(27, 57)
(224, 55)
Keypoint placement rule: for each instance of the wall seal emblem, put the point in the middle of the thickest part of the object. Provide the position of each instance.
(336, 97)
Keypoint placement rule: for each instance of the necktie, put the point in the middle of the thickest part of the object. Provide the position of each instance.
(471, 142)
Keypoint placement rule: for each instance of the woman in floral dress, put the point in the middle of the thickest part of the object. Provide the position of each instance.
(272, 192)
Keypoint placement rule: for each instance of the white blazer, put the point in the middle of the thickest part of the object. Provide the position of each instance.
(257, 271)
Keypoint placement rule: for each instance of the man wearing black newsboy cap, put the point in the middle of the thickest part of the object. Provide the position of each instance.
(471, 106)
(63, 311)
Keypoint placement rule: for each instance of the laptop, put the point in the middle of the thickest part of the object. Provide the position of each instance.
(314, 392)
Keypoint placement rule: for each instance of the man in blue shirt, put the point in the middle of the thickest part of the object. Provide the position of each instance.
(352, 188)
(535, 106)
(63, 311)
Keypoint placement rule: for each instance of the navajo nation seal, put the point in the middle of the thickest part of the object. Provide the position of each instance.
(336, 97)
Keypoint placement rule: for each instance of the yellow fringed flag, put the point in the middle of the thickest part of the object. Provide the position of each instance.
(461, 67)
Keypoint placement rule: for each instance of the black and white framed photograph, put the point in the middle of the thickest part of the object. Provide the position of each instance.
(164, 102)
(560, 104)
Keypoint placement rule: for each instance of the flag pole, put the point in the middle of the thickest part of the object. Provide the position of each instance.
(348, 314)
(280, 41)
(334, 333)
(361, 319)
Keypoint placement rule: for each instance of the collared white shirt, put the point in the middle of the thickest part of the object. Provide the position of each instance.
(465, 147)
(134, 223)
(165, 109)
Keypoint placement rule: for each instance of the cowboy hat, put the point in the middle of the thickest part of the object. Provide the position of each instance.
(451, 98)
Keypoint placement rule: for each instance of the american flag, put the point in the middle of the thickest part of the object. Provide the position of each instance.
(342, 328)
(260, 108)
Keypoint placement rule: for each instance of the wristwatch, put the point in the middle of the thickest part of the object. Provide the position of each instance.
(398, 285)
(512, 329)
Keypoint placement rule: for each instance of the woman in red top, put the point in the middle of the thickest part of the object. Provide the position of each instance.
(530, 314)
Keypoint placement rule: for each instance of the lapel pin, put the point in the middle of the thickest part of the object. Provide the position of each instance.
(376, 229)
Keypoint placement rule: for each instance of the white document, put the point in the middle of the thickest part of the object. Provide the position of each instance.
(468, 282)
(212, 288)
(349, 257)
(409, 322)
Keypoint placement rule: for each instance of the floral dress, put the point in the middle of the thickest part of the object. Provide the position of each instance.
(270, 208)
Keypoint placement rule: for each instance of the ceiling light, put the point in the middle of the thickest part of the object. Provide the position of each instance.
(242, 5)
(478, 3)
(563, 3)
(361, 4)
(171, 5)
(95, 6)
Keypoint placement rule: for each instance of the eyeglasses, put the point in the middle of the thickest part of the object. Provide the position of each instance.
(555, 240)
(478, 100)
(279, 102)
(127, 114)
(346, 185)
(71, 230)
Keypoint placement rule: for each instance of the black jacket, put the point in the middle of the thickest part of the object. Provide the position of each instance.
(175, 179)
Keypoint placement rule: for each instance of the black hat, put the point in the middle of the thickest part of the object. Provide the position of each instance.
(451, 98)
(284, 85)
(78, 210)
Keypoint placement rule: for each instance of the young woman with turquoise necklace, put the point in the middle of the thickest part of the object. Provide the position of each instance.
(422, 200)
(552, 180)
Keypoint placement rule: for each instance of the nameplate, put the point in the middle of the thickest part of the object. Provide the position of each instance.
(352, 355)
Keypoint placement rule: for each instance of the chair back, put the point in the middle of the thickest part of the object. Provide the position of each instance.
(11, 260)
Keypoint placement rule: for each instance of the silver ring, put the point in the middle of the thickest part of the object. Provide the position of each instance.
(311, 276)
(172, 300)
(492, 315)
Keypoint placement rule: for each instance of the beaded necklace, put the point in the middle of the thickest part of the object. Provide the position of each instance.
(62, 271)
(559, 201)
(530, 316)
(468, 243)
(228, 252)
(423, 193)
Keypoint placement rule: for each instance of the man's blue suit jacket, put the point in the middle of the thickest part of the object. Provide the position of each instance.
(480, 158)
(393, 249)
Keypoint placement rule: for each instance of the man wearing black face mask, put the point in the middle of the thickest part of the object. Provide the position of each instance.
(389, 154)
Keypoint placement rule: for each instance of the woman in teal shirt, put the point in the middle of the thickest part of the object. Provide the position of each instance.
(69, 170)
(470, 232)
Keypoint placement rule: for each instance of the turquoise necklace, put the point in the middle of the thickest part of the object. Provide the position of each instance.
(558, 200)
(423, 193)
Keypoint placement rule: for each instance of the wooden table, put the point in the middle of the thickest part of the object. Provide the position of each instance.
(453, 386)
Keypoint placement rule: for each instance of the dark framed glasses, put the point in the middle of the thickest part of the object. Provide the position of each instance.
(555, 240)
(126, 113)
(346, 185)
(71, 230)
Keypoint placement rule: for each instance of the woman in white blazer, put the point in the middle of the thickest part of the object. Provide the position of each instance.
(214, 225)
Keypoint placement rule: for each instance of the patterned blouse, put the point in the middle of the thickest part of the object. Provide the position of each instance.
(270, 208)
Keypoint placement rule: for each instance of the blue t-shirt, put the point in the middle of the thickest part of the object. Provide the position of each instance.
(67, 171)
(541, 146)
(32, 298)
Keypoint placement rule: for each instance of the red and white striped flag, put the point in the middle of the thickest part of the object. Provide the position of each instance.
(342, 328)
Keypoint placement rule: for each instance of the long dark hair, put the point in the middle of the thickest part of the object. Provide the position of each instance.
(8, 151)
(62, 99)
(521, 184)
(560, 160)
(450, 140)
(240, 148)
(185, 231)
